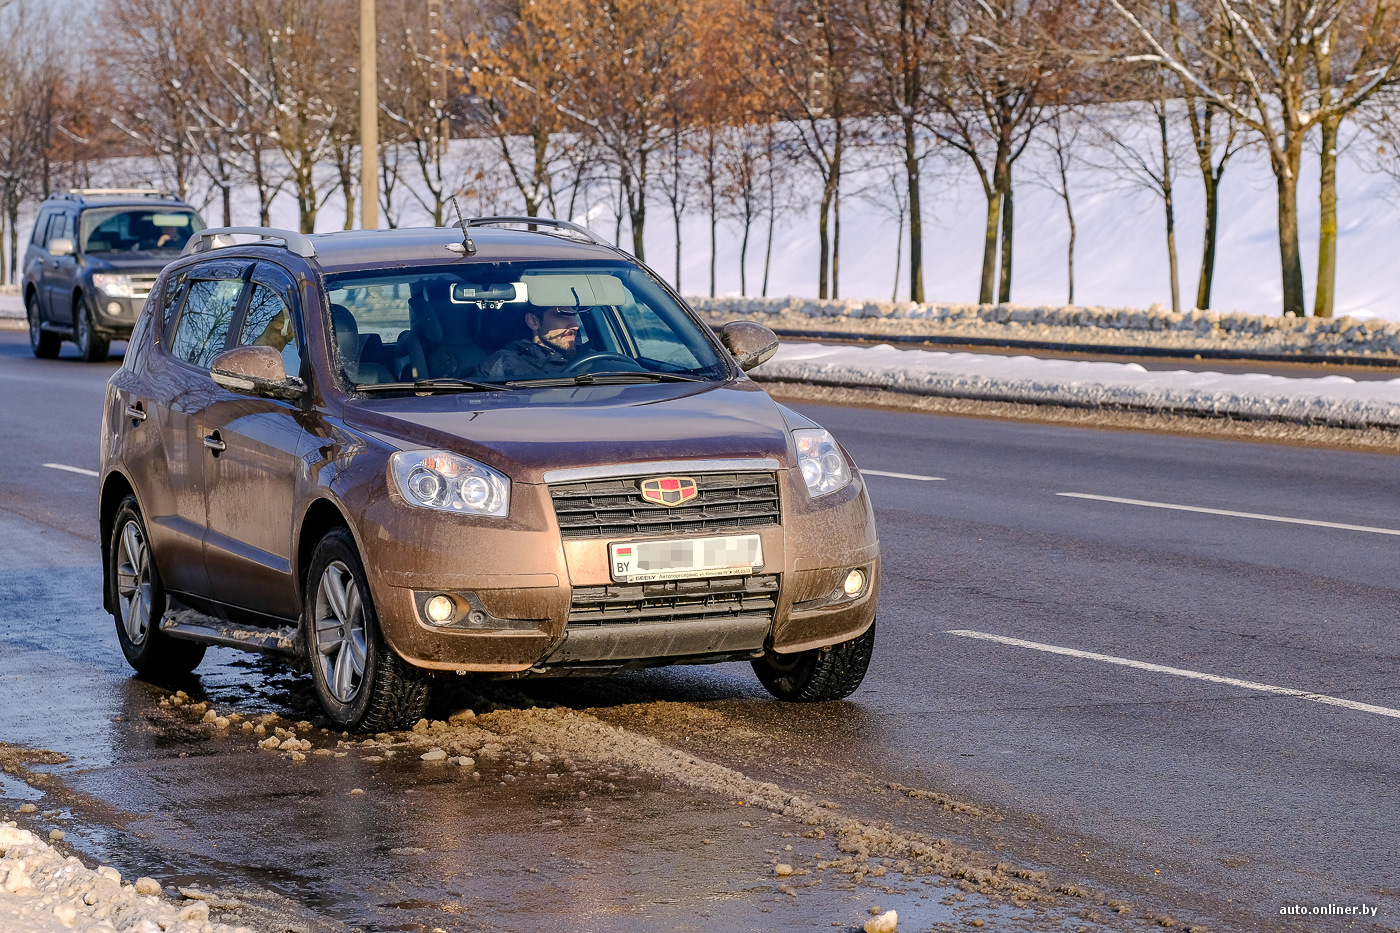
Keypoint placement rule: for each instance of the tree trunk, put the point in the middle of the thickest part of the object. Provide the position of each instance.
(898, 255)
(1327, 231)
(916, 225)
(824, 267)
(768, 250)
(1286, 176)
(1007, 228)
(1203, 286)
(676, 214)
(1069, 213)
(743, 257)
(1167, 204)
(836, 243)
(990, 235)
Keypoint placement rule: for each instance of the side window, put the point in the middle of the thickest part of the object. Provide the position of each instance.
(268, 323)
(655, 338)
(62, 226)
(202, 331)
(41, 229)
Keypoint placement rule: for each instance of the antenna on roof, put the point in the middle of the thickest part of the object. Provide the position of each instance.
(467, 246)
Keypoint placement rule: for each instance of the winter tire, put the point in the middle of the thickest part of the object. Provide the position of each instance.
(92, 347)
(42, 342)
(362, 685)
(138, 600)
(818, 675)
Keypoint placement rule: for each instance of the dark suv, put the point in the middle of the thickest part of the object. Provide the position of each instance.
(399, 454)
(91, 261)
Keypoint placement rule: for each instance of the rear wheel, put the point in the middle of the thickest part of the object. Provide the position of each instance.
(42, 342)
(361, 683)
(821, 674)
(92, 347)
(138, 600)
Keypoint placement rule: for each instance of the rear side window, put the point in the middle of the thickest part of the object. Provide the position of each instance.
(268, 323)
(202, 331)
(174, 290)
(41, 229)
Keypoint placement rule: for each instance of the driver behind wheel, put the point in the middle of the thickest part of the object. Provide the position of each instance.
(550, 348)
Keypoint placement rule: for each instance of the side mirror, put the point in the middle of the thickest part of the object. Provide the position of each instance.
(750, 343)
(61, 246)
(256, 371)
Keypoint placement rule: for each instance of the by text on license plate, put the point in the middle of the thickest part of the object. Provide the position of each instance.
(682, 558)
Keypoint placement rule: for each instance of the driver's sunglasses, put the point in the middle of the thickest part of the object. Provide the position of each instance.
(568, 314)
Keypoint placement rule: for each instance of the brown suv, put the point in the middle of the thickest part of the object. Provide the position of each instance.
(403, 453)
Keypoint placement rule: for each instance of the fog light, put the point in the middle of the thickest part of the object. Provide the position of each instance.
(114, 307)
(855, 582)
(440, 610)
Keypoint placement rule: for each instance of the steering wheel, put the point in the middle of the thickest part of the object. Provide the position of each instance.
(583, 362)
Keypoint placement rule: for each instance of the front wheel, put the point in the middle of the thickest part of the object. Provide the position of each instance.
(92, 347)
(361, 683)
(818, 675)
(44, 343)
(137, 599)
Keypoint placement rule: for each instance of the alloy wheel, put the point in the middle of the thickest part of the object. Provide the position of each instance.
(339, 630)
(134, 582)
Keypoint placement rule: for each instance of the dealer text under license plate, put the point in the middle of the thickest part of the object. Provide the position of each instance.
(683, 558)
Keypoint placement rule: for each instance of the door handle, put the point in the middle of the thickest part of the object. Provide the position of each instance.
(135, 412)
(213, 442)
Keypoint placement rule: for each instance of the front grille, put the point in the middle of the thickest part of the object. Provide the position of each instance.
(721, 598)
(141, 285)
(614, 508)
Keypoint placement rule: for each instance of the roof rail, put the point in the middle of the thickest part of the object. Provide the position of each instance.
(539, 222)
(298, 244)
(113, 193)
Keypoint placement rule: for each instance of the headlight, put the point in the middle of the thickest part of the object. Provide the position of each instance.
(437, 479)
(823, 467)
(117, 286)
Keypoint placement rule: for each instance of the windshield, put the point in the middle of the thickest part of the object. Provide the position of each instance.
(128, 230)
(515, 322)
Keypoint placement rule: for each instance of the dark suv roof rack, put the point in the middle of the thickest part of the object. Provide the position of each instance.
(78, 194)
(539, 222)
(297, 243)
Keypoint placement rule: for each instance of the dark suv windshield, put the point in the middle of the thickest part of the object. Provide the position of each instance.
(513, 322)
(129, 230)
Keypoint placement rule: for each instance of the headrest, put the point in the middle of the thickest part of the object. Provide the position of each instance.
(347, 337)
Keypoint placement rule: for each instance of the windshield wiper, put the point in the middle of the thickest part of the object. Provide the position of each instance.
(433, 385)
(609, 378)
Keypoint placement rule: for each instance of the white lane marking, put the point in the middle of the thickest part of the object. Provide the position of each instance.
(1180, 672)
(72, 469)
(926, 479)
(1227, 512)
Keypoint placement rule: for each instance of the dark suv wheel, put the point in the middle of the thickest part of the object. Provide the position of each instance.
(361, 683)
(137, 599)
(92, 347)
(42, 342)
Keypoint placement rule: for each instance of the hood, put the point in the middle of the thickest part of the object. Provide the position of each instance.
(526, 432)
(130, 262)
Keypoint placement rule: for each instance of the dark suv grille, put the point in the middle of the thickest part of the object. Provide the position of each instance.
(614, 508)
(675, 601)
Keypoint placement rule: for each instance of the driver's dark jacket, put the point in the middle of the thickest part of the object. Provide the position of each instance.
(523, 359)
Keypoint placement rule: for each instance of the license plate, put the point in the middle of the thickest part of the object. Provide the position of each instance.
(683, 558)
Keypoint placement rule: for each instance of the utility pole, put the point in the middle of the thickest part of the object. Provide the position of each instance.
(369, 118)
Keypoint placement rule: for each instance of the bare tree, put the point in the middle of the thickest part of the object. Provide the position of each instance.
(1063, 142)
(902, 39)
(1266, 75)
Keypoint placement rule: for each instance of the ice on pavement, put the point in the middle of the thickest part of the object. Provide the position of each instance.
(1338, 400)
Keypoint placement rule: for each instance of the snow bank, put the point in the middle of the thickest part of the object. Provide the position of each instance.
(1331, 400)
(1072, 324)
(41, 891)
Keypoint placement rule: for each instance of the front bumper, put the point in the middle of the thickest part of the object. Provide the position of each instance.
(530, 603)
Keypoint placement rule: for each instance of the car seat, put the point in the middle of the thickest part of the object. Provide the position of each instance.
(347, 341)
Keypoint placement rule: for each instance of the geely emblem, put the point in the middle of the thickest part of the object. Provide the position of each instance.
(669, 490)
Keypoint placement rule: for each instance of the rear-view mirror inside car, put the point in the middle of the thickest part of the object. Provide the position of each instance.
(467, 294)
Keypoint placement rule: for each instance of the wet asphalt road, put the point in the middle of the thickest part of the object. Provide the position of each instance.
(1212, 801)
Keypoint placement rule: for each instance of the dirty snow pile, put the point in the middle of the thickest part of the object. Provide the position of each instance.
(41, 891)
(1332, 400)
(1070, 324)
